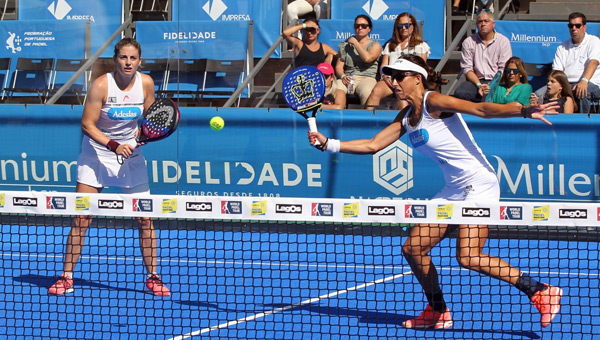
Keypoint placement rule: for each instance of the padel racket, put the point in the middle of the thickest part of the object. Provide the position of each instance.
(160, 121)
(493, 86)
(303, 90)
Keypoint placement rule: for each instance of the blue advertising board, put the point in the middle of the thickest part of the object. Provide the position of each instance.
(193, 39)
(265, 14)
(431, 12)
(264, 152)
(536, 41)
(104, 16)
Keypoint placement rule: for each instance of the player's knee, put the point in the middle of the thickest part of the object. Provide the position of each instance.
(409, 250)
(467, 261)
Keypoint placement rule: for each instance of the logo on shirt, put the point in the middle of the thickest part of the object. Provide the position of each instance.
(124, 113)
(419, 137)
(393, 168)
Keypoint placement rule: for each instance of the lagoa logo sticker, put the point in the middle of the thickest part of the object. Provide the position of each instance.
(25, 201)
(288, 208)
(382, 211)
(572, 213)
(476, 212)
(110, 204)
(198, 206)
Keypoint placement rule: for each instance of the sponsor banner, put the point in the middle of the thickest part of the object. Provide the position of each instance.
(247, 159)
(536, 41)
(193, 39)
(104, 17)
(266, 26)
(42, 39)
(302, 209)
(431, 12)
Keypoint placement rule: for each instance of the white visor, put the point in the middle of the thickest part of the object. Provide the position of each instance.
(403, 65)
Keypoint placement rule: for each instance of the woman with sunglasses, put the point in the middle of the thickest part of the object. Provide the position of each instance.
(558, 90)
(406, 39)
(513, 84)
(437, 130)
(308, 50)
(358, 60)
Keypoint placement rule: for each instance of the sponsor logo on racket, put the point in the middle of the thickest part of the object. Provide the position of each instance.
(540, 213)
(381, 210)
(142, 204)
(258, 208)
(475, 212)
(415, 211)
(511, 213)
(198, 206)
(56, 202)
(288, 208)
(444, 211)
(322, 209)
(169, 206)
(111, 204)
(25, 202)
(231, 207)
(572, 213)
(350, 210)
(82, 203)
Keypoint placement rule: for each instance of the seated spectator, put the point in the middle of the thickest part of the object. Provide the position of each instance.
(513, 84)
(558, 90)
(483, 55)
(357, 64)
(308, 51)
(298, 8)
(579, 58)
(406, 39)
(334, 97)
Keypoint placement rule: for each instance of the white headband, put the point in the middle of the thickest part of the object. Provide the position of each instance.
(403, 65)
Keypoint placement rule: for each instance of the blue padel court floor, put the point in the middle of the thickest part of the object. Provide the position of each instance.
(280, 285)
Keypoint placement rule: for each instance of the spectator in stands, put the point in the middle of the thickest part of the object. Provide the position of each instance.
(334, 97)
(456, 8)
(298, 8)
(558, 90)
(110, 156)
(406, 39)
(513, 86)
(309, 51)
(483, 54)
(578, 58)
(436, 129)
(356, 66)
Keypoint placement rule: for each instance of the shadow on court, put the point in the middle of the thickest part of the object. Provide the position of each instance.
(47, 281)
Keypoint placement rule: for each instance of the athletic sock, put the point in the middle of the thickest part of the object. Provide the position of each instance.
(68, 275)
(529, 285)
(436, 301)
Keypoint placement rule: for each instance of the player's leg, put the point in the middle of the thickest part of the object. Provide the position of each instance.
(422, 239)
(75, 242)
(363, 87)
(469, 252)
(381, 90)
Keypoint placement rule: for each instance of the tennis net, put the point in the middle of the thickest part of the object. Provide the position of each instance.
(286, 268)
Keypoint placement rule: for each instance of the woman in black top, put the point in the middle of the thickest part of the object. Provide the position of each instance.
(308, 50)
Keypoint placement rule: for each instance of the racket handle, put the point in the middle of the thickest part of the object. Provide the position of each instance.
(312, 126)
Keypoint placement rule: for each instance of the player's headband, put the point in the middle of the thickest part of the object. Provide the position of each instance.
(403, 65)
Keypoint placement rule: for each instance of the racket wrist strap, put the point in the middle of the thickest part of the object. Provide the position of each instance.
(112, 145)
(332, 145)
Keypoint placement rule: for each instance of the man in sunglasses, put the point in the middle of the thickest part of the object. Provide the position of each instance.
(483, 55)
(578, 58)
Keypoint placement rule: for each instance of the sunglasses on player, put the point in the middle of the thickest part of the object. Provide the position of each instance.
(578, 26)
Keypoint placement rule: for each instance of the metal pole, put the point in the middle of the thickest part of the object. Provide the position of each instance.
(277, 81)
(88, 63)
(453, 45)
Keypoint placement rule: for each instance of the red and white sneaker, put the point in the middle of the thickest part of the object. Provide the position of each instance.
(156, 287)
(62, 286)
(548, 303)
(430, 319)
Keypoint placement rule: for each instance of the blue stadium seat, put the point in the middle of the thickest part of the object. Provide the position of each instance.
(222, 78)
(32, 77)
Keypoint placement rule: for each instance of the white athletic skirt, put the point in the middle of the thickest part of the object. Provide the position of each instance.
(482, 187)
(98, 167)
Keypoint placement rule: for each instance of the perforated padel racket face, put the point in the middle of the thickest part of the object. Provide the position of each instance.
(160, 121)
(303, 88)
(494, 86)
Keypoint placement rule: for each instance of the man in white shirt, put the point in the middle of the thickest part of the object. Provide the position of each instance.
(578, 59)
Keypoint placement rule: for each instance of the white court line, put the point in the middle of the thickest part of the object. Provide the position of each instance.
(288, 307)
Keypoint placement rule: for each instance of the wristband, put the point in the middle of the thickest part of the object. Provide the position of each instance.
(478, 84)
(333, 145)
(112, 145)
(303, 26)
(524, 112)
(585, 79)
